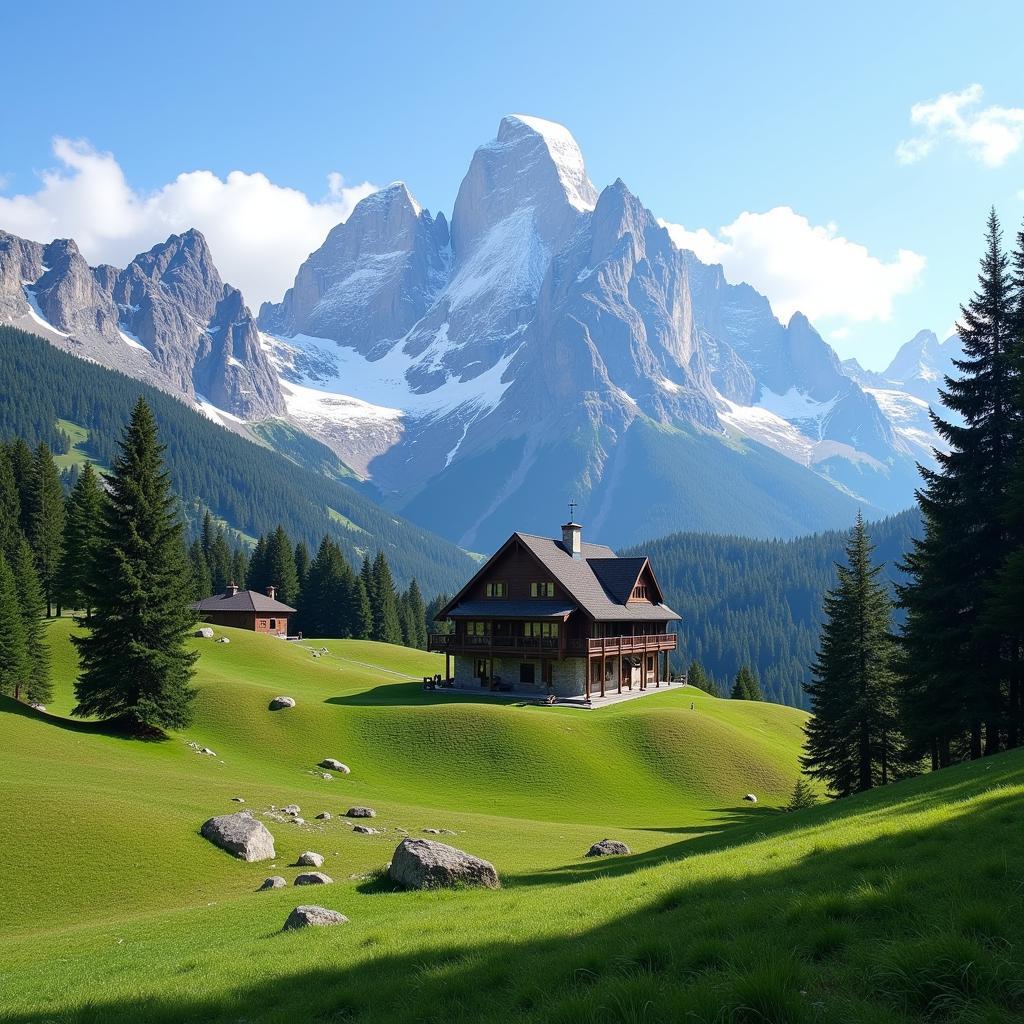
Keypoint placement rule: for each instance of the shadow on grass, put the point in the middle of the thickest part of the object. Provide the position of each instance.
(116, 728)
(413, 694)
(863, 933)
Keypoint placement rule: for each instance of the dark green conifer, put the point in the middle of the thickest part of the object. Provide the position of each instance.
(135, 665)
(46, 524)
(81, 539)
(14, 662)
(38, 684)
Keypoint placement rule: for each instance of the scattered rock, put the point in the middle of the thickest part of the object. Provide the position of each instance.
(335, 766)
(206, 633)
(365, 830)
(223, 640)
(207, 751)
(240, 834)
(607, 848)
(403, 831)
(291, 809)
(426, 864)
(282, 702)
(313, 917)
(273, 882)
(750, 798)
(313, 878)
(42, 707)
(360, 812)
(309, 859)
(298, 821)
(431, 831)
(324, 816)
(238, 799)
(326, 775)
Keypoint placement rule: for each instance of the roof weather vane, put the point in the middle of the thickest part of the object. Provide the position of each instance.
(572, 511)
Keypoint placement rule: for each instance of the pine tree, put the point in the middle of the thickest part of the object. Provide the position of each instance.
(38, 685)
(853, 741)
(81, 539)
(362, 620)
(418, 611)
(281, 566)
(240, 568)
(431, 625)
(321, 611)
(387, 627)
(135, 665)
(46, 524)
(803, 796)
(258, 576)
(696, 676)
(301, 562)
(219, 561)
(10, 507)
(23, 467)
(954, 668)
(745, 686)
(14, 663)
(202, 580)
(369, 588)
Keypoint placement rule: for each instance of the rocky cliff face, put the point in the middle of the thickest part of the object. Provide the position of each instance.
(566, 326)
(166, 318)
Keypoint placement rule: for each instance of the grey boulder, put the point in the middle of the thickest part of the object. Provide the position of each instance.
(206, 633)
(335, 765)
(282, 702)
(273, 882)
(750, 798)
(365, 830)
(607, 848)
(427, 864)
(324, 816)
(309, 859)
(313, 878)
(240, 834)
(360, 812)
(313, 917)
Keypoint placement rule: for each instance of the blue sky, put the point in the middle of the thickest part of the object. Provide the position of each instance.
(714, 115)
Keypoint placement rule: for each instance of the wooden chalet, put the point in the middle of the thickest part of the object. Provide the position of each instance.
(558, 616)
(246, 609)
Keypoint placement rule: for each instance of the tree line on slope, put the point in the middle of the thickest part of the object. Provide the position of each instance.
(332, 600)
(757, 603)
(947, 687)
(248, 486)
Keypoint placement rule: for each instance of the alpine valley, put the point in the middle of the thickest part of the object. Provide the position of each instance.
(466, 369)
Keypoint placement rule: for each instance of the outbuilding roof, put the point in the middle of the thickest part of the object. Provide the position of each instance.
(242, 601)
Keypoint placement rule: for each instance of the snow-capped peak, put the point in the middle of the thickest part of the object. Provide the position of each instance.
(565, 153)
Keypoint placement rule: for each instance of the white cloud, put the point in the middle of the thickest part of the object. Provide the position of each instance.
(259, 232)
(991, 135)
(803, 266)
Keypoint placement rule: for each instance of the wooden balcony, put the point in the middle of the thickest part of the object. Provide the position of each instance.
(551, 646)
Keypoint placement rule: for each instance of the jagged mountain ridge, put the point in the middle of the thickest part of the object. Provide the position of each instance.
(567, 317)
(167, 318)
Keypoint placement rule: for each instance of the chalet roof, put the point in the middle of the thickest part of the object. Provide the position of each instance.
(585, 577)
(243, 601)
(599, 582)
(491, 608)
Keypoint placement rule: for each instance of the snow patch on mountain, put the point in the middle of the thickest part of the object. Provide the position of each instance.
(37, 314)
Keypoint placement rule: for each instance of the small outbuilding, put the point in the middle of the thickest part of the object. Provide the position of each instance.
(246, 609)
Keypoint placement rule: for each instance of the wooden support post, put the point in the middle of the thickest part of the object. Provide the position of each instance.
(620, 667)
(447, 669)
(657, 670)
(604, 669)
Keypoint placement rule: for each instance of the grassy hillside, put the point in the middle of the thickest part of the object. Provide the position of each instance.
(886, 908)
(250, 487)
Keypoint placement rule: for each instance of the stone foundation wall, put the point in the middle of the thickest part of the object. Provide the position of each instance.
(568, 677)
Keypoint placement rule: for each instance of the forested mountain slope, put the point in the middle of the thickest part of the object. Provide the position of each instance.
(758, 602)
(251, 487)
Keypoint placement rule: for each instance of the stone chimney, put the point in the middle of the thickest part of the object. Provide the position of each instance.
(232, 589)
(271, 591)
(572, 539)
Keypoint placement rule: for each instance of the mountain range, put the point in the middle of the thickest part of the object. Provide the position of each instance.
(548, 342)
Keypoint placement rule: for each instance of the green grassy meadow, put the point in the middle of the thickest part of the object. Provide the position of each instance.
(900, 905)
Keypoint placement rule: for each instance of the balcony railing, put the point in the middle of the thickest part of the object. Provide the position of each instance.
(609, 646)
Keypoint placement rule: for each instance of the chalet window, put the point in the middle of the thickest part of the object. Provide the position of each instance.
(540, 629)
(650, 662)
(273, 623)
(496, 590)
(476, 629)
(480, 668)
(545, 588)
(640, 592)
(526, 672)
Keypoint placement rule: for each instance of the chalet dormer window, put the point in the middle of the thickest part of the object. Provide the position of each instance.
(544, 588)
(640, 592)
(495, 590)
